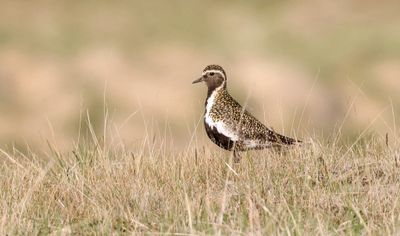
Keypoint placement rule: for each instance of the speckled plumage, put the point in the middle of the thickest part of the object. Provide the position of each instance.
(229, 125)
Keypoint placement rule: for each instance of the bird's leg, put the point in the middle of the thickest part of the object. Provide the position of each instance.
(236, 157)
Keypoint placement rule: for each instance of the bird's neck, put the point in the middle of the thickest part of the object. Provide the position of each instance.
(213, 95)
(217, 89)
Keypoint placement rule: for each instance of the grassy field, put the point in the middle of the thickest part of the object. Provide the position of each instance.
(282, 56)
(327, 71)
(104, 187)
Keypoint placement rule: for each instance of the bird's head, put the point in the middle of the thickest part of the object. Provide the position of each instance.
(214, 76)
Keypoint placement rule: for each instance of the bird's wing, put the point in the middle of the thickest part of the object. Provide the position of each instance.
(249, 129)
(259, 134)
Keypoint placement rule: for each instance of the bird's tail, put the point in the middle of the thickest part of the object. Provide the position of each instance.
(287, 141)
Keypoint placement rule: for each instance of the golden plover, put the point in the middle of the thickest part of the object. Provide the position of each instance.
(228, 124)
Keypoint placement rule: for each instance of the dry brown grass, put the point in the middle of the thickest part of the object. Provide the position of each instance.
(303, 66)
(104, 187)
(58, 62)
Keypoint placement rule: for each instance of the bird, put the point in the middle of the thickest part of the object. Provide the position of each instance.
(228, 124)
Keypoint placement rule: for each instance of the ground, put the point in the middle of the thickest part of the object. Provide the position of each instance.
(110, 188)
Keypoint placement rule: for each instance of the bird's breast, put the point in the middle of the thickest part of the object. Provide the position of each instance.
(216, 122)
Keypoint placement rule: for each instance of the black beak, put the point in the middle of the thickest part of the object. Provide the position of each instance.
(201, 79)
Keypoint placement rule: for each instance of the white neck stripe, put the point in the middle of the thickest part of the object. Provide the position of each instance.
(221, 127)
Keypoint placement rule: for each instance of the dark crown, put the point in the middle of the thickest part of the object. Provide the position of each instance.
(215, 67)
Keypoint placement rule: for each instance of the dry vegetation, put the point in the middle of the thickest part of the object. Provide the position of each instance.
(310, 67)
(104, 187)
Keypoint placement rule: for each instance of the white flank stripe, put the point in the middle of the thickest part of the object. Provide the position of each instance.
(256, 143)
(251, 143)
(221, 127)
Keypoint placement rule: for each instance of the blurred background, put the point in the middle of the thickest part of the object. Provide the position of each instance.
(307, 68)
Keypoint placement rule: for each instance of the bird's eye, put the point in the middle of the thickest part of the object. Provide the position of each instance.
(212, 73)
